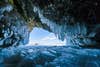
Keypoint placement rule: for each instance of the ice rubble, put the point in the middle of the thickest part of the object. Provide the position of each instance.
(44, 56)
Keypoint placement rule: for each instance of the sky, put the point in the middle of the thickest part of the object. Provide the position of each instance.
(42, 37)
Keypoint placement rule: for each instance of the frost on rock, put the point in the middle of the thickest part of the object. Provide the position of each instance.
(13, 29)
(75, 21)
(79, 33)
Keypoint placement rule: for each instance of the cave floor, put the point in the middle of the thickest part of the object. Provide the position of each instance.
(45, 56)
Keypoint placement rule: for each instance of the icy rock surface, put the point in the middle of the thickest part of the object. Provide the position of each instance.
(43, 56)
(13, 29)
(76, 21)
(77, 33)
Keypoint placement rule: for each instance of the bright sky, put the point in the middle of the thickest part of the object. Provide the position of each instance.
(43, 37)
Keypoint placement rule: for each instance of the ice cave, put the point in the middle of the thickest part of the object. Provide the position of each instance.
(49, 33)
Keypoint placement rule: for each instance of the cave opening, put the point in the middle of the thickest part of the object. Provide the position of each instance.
(42, 37)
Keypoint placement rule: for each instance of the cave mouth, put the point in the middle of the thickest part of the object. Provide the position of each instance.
(42, 37)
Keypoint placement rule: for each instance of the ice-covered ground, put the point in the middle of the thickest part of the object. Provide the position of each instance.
(52, 56)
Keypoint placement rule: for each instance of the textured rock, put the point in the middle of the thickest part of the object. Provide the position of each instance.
(13, 29)
(77, 21)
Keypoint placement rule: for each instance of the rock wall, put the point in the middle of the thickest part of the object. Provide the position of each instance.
(16, 22)
(76, 21)
(13, 28)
